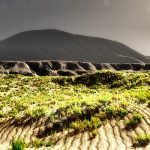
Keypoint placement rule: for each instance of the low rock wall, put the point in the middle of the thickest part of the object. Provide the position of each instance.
(63, 68)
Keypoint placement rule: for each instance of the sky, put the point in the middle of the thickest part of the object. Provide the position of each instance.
(126, 21)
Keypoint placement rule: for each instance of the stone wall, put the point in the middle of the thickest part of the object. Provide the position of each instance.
(63, 68)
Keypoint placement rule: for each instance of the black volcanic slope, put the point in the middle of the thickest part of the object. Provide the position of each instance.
(59, 45)
(148, 57)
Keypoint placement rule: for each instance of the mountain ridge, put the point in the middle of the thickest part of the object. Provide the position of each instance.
(52, 44)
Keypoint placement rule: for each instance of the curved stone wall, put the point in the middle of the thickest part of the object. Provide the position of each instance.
(63, 68)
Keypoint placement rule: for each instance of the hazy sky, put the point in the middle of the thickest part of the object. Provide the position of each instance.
(127, 21)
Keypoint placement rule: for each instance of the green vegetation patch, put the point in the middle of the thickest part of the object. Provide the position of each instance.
(37, 143)
(78, 102)
(134, 121)
(39, 96)
(142, 140)
(18, 144)
(86, 125)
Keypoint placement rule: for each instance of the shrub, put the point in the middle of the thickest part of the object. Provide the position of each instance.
(137, 116)
(80, 126)
(14, 113)
(111, 111)
(134, 121)
(39, 143)
(143, 97)
(115, 111)
(103, 77)
(37, 113)
(2, 114)
(95, 123)
(122, 112)
(105, 101)
(18, 144)
(143, 139)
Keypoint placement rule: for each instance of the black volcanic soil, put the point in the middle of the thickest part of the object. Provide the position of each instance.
(58, 45)
(148, 57)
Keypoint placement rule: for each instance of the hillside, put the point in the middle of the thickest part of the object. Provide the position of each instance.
(103, 110)
(58, 45)
(148, 57)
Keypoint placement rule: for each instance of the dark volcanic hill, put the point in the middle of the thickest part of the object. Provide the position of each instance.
(58, 45)
(148, 57)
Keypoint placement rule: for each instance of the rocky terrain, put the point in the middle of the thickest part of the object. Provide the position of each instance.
(64, 68)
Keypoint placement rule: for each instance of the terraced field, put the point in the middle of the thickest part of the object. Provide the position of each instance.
(104, 110)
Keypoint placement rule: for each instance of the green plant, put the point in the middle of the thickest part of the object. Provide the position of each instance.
(143, 97)
(2, 114)
(124, 103)
(103, 77)
(80, 126)
(95, 123)
(143, 140)
(111, 111)
(13, 113)
(137, 116)
(18, 144)
(122, 112)
(37, 113)
(39, 143)
(93, 133)
(28, 95)
(134, 121)
(102, 95)
(105, 100)
(102, 115)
